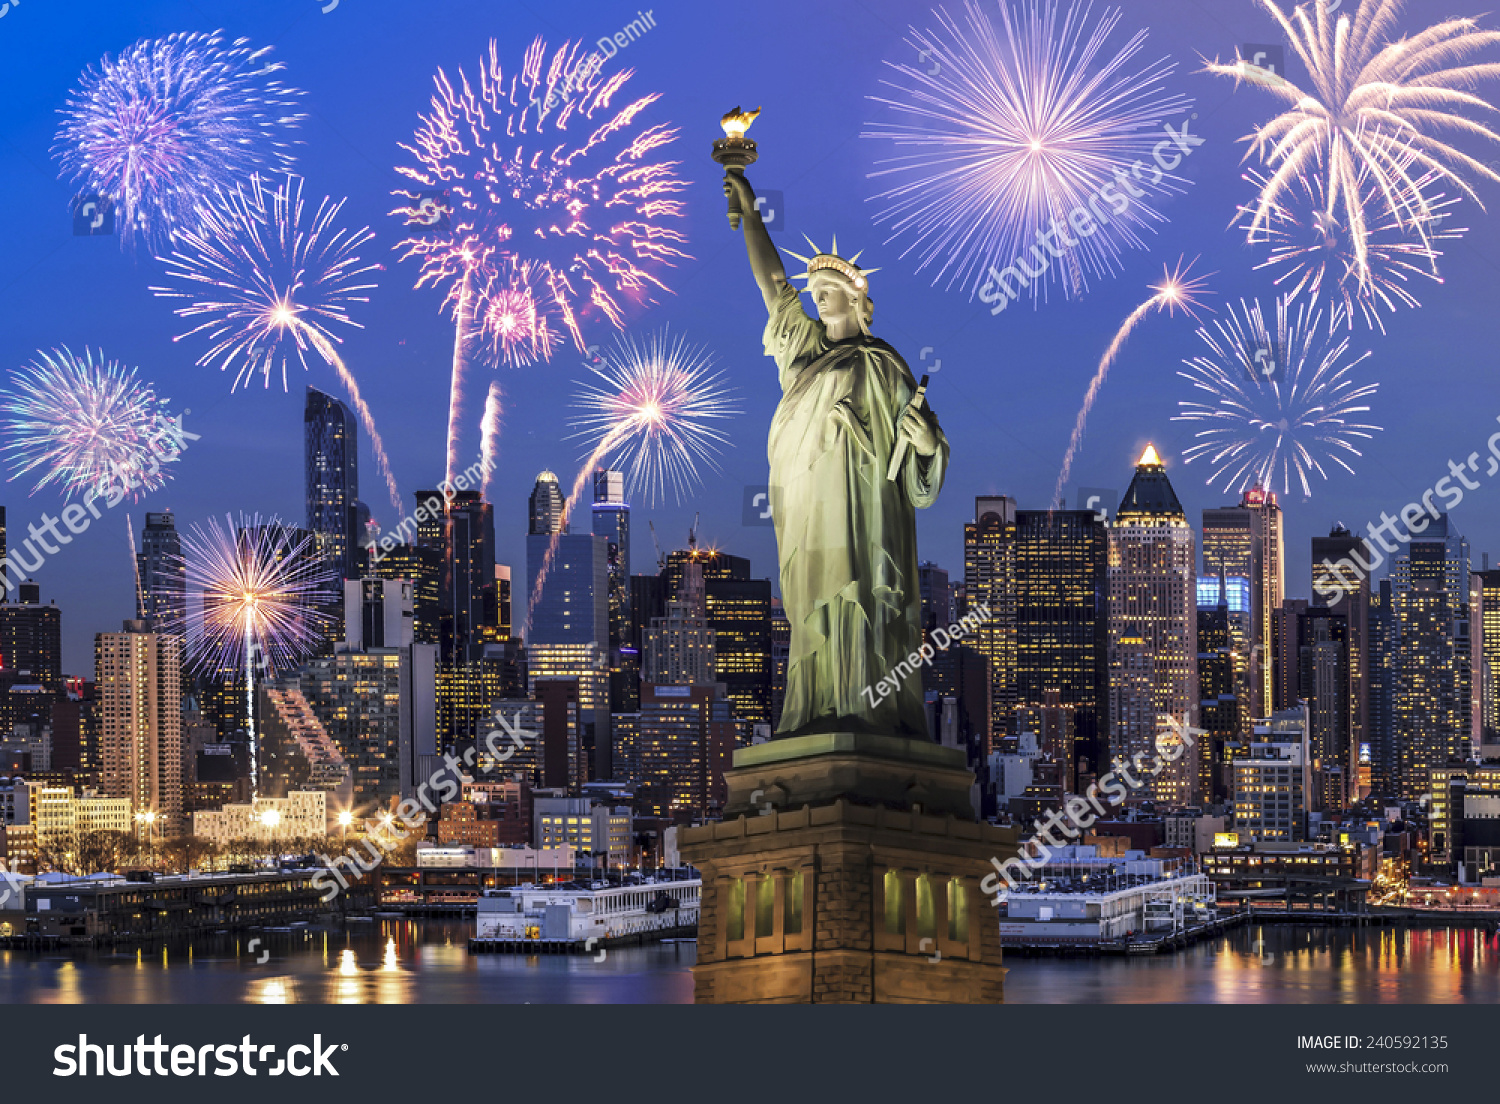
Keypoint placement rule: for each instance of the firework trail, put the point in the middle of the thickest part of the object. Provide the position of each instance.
(1281, 402)
(135, 567)
(1176, 289)
(1368, 118)
(170, 120)
(251, 591)
(1312, 253)
(87, 424)
(490, 437)
(270, 284)
(654, 418)
(1006, 130)
(611, 439)
(535, 202)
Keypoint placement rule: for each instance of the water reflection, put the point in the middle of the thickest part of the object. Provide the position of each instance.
(414, 962)
(1279, 964)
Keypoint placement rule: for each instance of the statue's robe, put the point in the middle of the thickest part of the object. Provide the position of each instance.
(846, 535)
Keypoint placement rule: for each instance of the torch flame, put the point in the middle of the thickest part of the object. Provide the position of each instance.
(737, 122)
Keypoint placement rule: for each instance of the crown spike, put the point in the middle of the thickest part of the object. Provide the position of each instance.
(834, 249)
(813, 244)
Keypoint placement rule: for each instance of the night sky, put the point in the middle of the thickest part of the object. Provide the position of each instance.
(1008, 388)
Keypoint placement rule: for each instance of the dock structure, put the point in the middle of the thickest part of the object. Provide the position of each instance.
(104, 909)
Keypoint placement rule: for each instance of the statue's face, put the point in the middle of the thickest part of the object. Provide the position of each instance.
(834, 297)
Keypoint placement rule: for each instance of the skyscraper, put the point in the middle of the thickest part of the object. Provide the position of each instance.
(687, 737)
(422, 566)
(1223, 629)
(738, 609)
(1061, 612)
(569, 638)
(139, 693)
(31, 639)
(468, 600)
(1383, 657)
(989, 581)
(162, 573)
(1487, 674)
(611, 520)
(680, 646)
(1153, 629)
(1351, 591)
(1431, 713)
(937, 596)
(331, 456)
(1247, 540)
(547, 503)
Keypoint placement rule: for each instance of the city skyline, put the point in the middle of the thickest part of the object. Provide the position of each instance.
(1007, 416)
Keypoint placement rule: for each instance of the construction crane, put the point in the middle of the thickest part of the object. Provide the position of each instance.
(661, 560)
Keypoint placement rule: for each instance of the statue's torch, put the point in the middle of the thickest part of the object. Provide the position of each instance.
(734, 151)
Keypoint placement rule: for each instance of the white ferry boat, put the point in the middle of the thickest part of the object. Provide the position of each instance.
(584, 916)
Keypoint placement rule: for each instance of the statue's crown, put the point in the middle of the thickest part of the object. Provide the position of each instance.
(829, 260)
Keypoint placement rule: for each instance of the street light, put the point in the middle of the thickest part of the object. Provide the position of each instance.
(345, 819)
(147, 818)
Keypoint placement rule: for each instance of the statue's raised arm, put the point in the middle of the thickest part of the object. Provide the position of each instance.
(765, 262)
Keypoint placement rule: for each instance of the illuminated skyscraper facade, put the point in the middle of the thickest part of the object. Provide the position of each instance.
(138, 676)
(1247, 540)
(1431, 712)
(1153, 632)
(989, 581)
(1061, 613)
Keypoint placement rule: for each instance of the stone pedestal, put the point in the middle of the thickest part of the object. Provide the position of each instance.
(847, 870)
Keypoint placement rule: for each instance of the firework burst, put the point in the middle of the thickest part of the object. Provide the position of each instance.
(653, 417)
(1177, 290)
(1282, 402)
(1004, 131)
(1370, 119)
(536, 202)
(252, 597)
(265, 284)
(158, 128)
(1312, 254)
(87, 425)
(653, 413)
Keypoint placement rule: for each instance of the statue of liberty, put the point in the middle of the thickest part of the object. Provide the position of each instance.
(852, 457)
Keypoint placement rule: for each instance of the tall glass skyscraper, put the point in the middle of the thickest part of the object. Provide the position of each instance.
(611, 520)
(569, 637)
(162, 573)
(331, 455)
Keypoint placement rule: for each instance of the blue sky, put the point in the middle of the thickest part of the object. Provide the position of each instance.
(1009, 385)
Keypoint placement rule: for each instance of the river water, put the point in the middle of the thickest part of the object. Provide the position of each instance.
(428, 962)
